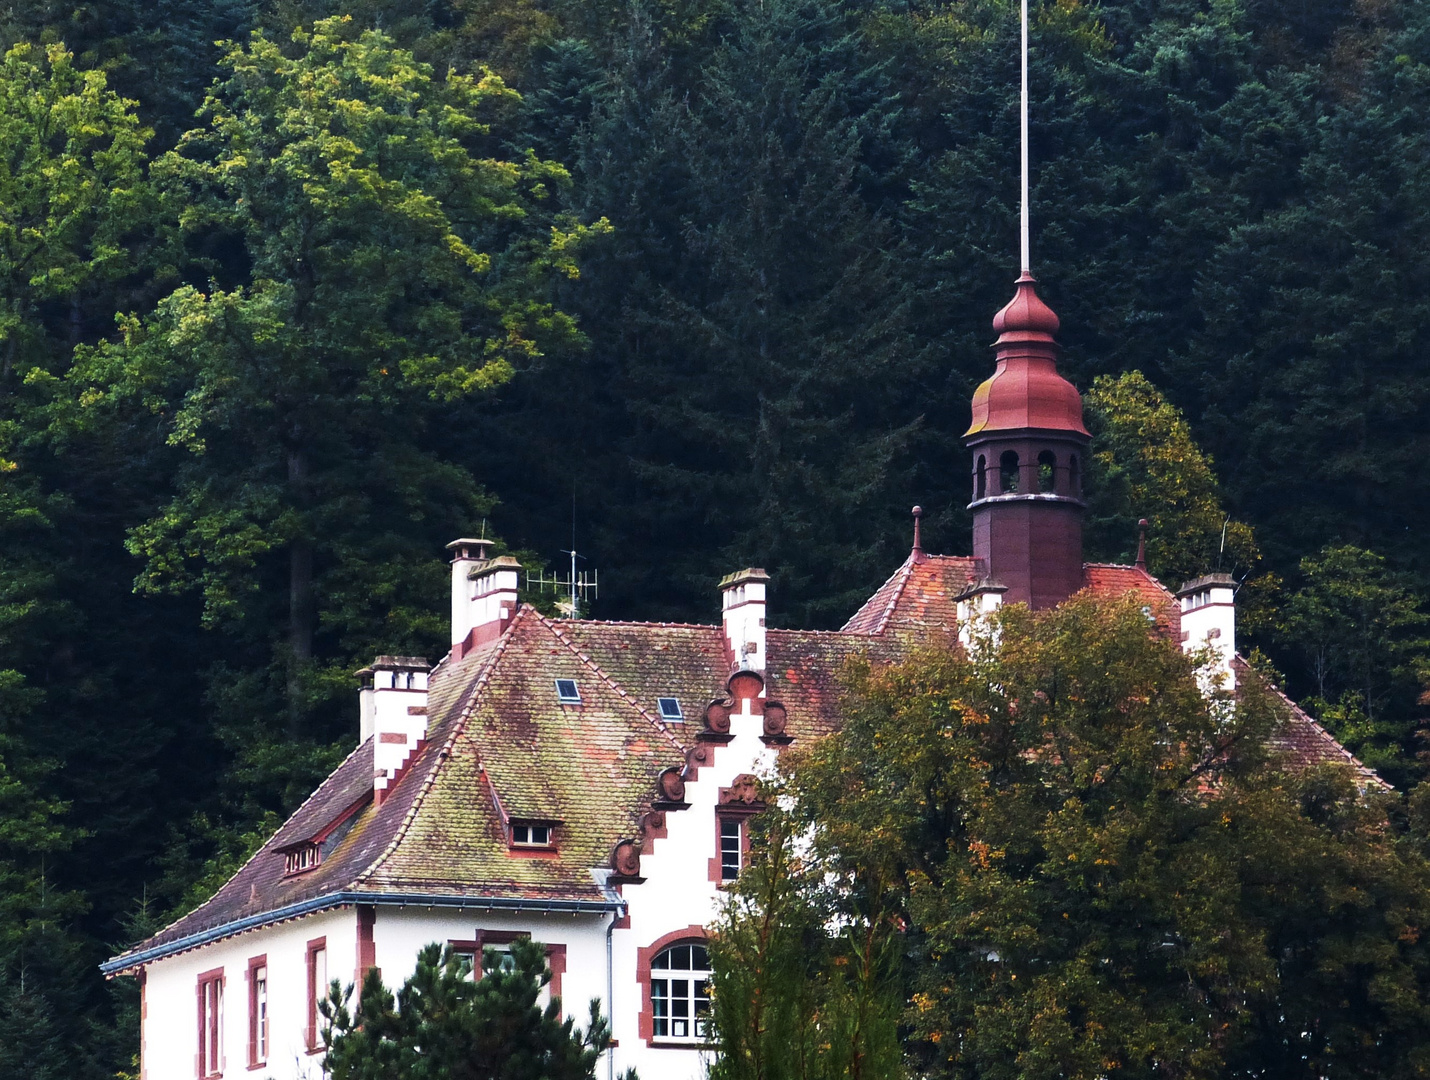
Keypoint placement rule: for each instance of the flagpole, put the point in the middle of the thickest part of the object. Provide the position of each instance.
(1027, 261)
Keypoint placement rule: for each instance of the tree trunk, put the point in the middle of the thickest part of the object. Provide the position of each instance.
(300, 596)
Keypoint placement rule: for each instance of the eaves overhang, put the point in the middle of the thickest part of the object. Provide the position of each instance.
(128, 962)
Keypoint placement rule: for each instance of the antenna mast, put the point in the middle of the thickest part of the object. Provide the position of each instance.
(1027, 260)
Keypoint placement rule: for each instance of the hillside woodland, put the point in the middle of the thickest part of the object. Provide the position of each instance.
(293, 293)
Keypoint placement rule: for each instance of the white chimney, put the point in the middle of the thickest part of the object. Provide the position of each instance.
(1209, 619)
(483, 594)
(393, 700)
(974, 605)
(743, 616)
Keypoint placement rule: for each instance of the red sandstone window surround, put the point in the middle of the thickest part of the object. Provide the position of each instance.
(257, 1012)
(675, 994)
(317, 964)
(499, 940)
(209, 1060)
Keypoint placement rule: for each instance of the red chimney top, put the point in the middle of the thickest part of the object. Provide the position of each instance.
(1026, 390)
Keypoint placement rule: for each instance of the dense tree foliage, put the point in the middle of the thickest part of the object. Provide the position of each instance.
(289, 297)
(445, 1023)
(1091, 868)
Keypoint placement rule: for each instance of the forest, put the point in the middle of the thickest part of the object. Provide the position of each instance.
(292, 293)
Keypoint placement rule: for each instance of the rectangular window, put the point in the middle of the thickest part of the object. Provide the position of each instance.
(210, 1057)
(257, 1011)
(567, 692)
(531, 835)
(302, 858)
(317, 990)
(670, 708)
(732, 844)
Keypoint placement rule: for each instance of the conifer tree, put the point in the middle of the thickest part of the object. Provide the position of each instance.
(445, 1023)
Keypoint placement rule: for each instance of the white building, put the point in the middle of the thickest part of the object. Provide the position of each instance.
(587, 783)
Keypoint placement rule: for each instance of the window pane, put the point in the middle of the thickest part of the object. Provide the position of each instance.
(701, 958)
(730, 849)
(260, 1011)
(702, 1006)
(660, 1007)
(320, 974)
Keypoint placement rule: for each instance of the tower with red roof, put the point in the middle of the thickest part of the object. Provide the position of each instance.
(1029, 450)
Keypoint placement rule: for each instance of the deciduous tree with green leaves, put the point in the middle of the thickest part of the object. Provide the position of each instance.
(1360, 631)
(72, 186)
(1103, 872)
(807, 968)
(1148, 465)
(399, 263)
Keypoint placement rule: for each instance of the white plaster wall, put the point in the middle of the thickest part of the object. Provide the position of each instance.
(171, 1027)
(171, 1038)
(677, 892)
(399, 934)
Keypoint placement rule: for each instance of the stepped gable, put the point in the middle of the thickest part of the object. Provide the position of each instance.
(520, 754)
(501, 746)
(921, 595)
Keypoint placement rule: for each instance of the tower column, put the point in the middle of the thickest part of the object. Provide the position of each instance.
(1029, 448)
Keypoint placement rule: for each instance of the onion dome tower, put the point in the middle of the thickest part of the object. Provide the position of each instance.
(1028, 441)
(1029, 447)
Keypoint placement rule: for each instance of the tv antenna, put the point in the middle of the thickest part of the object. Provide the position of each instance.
(580, 586)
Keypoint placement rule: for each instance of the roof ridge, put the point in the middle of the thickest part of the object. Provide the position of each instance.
(851, 634)
(907, 570)
(258, 851)
(644, 622)
(550, 624)
(457, 729)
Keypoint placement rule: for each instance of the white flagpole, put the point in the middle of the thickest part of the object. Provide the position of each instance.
(1027, 261)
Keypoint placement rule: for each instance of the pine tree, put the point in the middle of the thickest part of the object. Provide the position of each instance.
(443, 1022)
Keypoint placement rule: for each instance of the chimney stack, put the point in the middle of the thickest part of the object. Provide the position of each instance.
(393, 703)
(1209, 619)
(484, 594)
(743, 616)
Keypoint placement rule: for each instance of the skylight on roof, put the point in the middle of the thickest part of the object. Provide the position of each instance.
(567, 692)
(670, 708)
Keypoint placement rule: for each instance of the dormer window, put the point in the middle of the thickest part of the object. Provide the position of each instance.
(567, 692)
(526, 835)
(303, 857)
(670, 709)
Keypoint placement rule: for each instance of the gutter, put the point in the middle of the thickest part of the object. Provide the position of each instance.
(127, 962)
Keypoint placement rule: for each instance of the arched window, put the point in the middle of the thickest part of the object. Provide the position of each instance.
(1047, 471)
(680, 992)
(980, 483)
(1008, 472)
(1074, 480)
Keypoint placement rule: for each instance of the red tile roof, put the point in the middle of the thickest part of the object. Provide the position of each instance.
(501, 746)
(1109, 579)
